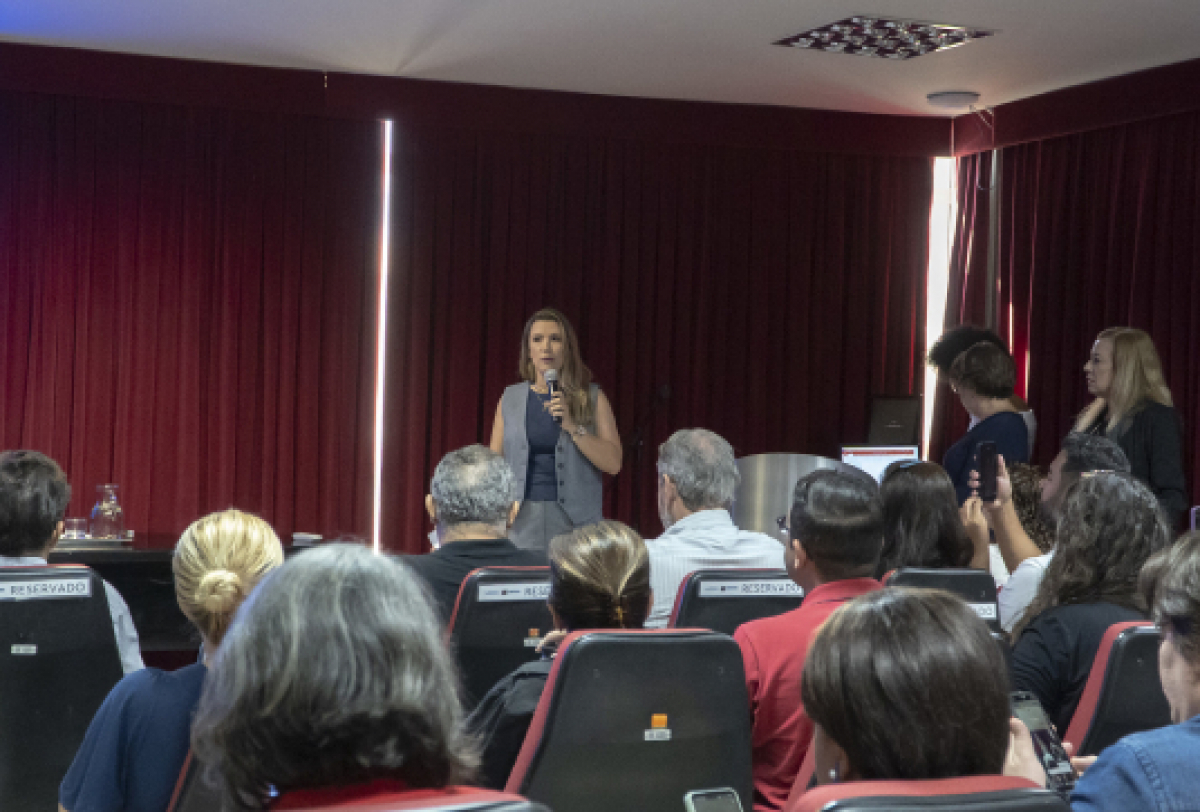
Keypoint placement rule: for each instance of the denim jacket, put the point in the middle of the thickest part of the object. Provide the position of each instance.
(1156, 771)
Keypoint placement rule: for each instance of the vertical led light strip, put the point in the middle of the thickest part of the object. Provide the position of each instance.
(381, 333)
(942, 212)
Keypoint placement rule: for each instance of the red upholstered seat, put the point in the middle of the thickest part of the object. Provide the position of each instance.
(195, 795)
(1123, 693)
(631, 721)
(980, 793)
(450, 799)
(748, 594)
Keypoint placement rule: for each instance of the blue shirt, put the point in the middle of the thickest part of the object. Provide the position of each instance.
(1006, 429)
(136, 745)
(1153, 771)
(541, 482)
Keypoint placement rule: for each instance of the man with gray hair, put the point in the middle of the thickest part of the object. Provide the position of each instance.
(470, 503)
(697, 477)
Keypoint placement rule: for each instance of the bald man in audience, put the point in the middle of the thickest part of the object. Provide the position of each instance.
(697, 477)
(835, 538)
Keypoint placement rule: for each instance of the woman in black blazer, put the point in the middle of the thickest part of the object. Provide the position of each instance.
(1133, 407)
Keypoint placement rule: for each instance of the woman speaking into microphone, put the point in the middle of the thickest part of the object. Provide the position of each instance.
(557, 431)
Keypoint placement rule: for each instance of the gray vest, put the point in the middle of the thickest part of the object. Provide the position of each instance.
(580, 486)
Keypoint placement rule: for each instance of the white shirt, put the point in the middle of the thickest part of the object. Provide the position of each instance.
(707, 539)
(118, 610)
(997, 566)
(1020, 589)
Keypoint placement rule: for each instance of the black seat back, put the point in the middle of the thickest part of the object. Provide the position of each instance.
(634, 720)
(976, 587)
(58, 661)
(498, 620)
(1131, 696)
(724, 599)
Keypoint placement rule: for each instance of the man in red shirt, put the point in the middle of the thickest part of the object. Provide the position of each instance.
(835, 539)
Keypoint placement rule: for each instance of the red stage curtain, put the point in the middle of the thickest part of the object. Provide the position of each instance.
(1098, 230)
(772, 290)
(187, 306)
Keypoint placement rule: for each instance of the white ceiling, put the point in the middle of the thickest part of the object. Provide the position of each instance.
(712, 50)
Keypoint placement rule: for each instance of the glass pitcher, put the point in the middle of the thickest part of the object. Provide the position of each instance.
(108, 520)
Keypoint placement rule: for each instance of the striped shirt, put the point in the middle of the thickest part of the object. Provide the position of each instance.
(707, 539)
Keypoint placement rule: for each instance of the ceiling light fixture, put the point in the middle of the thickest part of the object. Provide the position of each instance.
(884, 38)
(953, 99)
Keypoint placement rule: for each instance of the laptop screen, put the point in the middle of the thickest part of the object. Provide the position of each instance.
(874, 459)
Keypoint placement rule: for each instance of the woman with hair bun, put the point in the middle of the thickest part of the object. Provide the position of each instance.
(138, 740)
(599, 579)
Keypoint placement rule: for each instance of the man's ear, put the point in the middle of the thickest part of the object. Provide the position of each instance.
(512, 514)
(801, 555)
(668, 487)
(430, 509)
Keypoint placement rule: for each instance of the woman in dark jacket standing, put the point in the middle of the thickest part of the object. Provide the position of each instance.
(1133, 408)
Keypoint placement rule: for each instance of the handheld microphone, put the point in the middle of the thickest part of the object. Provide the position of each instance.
(551, 376)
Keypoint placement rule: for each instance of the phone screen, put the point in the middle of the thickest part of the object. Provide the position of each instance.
(712, 800)
(988, 470)
(1060, 775)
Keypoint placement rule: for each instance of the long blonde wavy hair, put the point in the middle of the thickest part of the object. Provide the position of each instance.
(1137, 377)
(575, 378)
(218, 561)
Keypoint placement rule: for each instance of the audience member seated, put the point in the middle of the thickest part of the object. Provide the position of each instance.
(1027, 482)
(470, 502)
(1155, 770)
(332, 687)
(958, 340)
(34, 493)
(906, 685)
(599, 579)
(1110, 524)
(983, 378)
(697, 477)
(921, 524)
(135, 747)
(836, 533)
(1026, 556)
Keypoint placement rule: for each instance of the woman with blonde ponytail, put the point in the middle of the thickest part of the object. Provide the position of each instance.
(138, 740)
(599, 579)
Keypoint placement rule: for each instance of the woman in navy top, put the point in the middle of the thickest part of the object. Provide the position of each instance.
(558, 446)
(1153, 771)
(136, 744)
(983, 378)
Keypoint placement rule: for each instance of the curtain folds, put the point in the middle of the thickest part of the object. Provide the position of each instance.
(772, 291)
(187, 301)
(1098, 230)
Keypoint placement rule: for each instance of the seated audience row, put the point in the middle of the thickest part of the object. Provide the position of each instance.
(1110, 526)
(138, 740)
(1155, 770)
